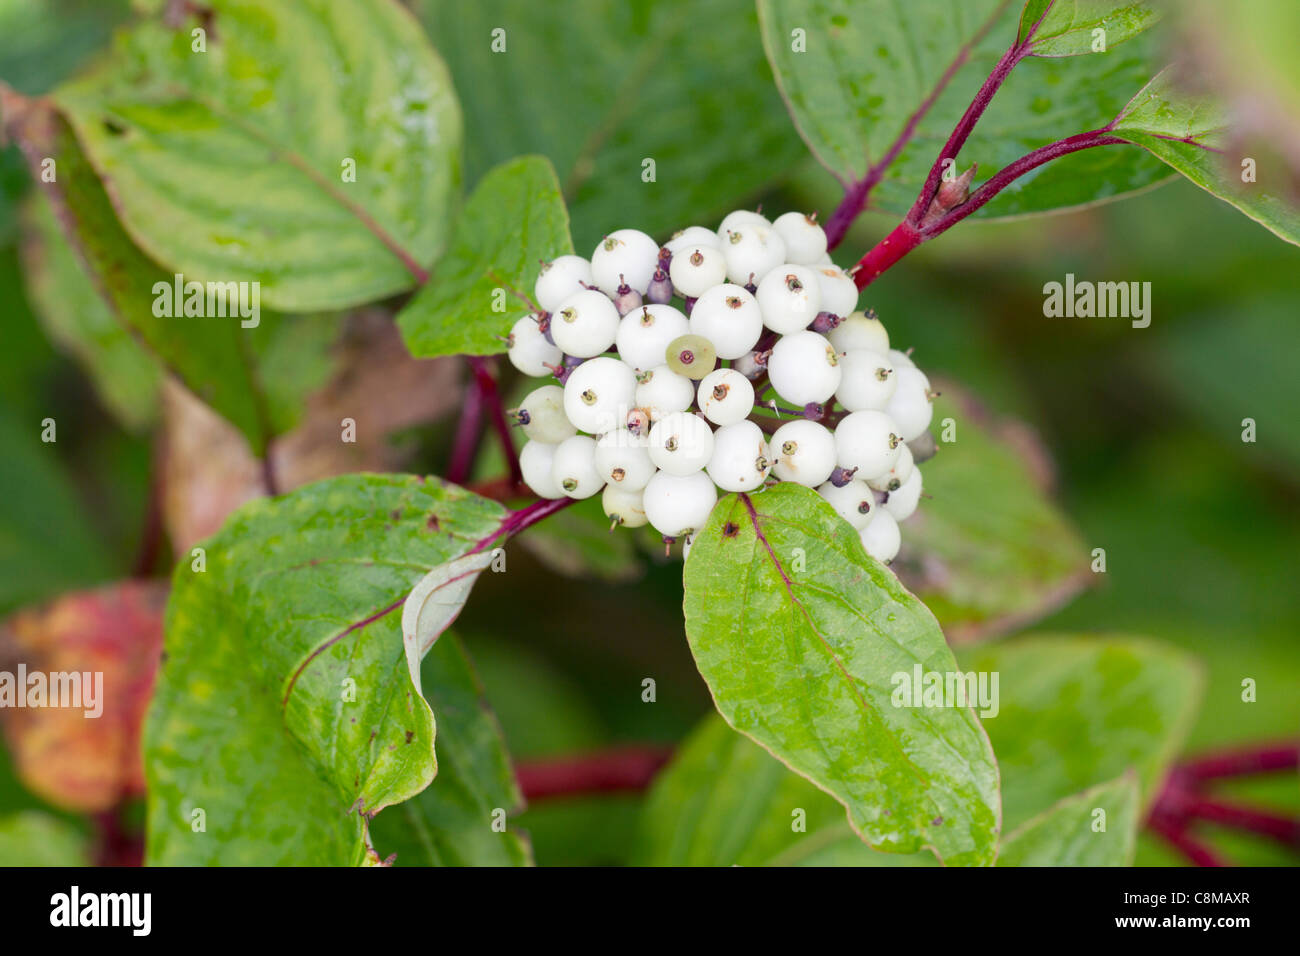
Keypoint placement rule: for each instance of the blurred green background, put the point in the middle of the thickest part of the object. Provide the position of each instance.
(1200, 529)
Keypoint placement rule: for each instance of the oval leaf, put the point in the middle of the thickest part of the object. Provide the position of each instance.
(1190, 133)
(725, 801)
(285, 669)
(800, 635)
(313, 146)
(1079, 711)
(1095, 828)
(514, 220)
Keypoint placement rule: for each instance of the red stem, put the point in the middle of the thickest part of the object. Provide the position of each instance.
(885, 253)
(1236, 763)
(1176, 835)
(487, 385)
(961, 132)
(857, 194)
(1275, 826)
(1004, 177)
(525, 517)
(468, 434)
(908, 235)
(627, 769)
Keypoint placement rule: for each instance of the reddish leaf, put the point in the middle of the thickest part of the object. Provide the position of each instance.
(75, 761)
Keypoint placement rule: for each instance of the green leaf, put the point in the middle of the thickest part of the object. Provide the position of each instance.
(514, 220)
(1066, 27)
(988, 550)
(231, 164)
(44, 42)
(209, 355)
(1065, 834)
(33, 838)
(725, 801)
(450, 822)
(46, 545)
(870, 66)
(1189, 132)
(800, 636)
(1077, 711)
(296, 612)
(601, 87)
(77, 318)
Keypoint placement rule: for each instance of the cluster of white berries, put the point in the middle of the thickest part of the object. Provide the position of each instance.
(685, 406)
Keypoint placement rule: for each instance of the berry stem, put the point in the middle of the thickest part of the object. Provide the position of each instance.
(904, 238)
(628, 769)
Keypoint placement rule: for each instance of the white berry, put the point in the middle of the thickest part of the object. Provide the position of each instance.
(867, 441)
(789, 297)
(894, 478)
(529, 351)
(729, 317)
(910, 407)
(803, 452)
(574, 467)
(541, 415)
(693, 236)
(725, 396)
(661, 391)
(902, 501)
(561, 278)
(881, 538)
(740, 457)
(599, 394)
(696, 269)
(855, 502)
(624, 506)
(644, 334)
(679, 504)
(625, 255)
(739, 219)
(805, 241)
(804, 368)
(868, 380)
(859, 331)
(901, 359)
(752, 252)
(585, 324)
(535, 461)
(839, 292)
(681, 443)
(623, 459)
